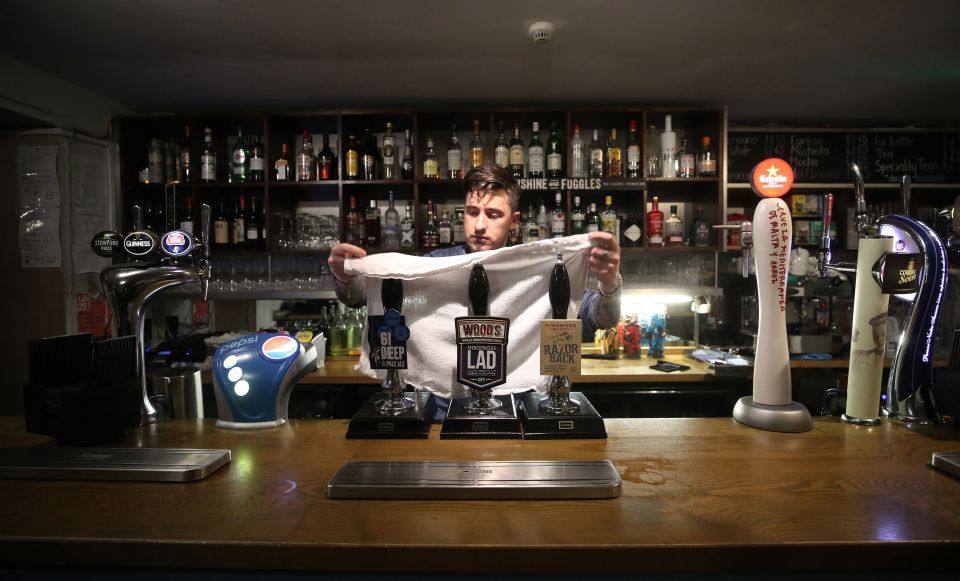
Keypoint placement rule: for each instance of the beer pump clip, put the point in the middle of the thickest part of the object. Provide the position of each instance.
(770, 234)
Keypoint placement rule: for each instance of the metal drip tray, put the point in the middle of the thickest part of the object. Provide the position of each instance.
(142, 464)
(478, 480)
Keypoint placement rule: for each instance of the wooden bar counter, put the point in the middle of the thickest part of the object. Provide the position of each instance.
(699, 495)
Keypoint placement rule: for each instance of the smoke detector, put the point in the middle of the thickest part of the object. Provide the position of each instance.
(541, 32)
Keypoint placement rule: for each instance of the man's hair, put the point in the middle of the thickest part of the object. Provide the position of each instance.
(488, 178)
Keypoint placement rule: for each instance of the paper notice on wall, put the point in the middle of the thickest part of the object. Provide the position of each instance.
(90, 203)
(39, 207)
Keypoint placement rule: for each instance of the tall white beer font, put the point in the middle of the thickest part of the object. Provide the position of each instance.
(771, 407)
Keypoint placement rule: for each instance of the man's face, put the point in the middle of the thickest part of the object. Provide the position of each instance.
(487, 220)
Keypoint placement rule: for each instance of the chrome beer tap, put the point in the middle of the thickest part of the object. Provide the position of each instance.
(130, 286)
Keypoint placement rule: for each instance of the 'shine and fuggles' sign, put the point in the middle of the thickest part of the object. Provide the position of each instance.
(482, 351)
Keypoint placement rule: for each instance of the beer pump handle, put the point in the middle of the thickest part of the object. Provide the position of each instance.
(860, 219)
(478, 291)
(204, 262)
(746, 242)
(391, 294)
(824, 255)
(559, 288)
(905, 194)
(137, 217)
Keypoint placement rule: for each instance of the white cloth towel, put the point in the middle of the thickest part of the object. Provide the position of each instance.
(435, 293)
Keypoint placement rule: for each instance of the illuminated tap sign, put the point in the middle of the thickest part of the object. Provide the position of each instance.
(482, 351)
(140, 243)
(772, 178)
(106, 244)
(176, 243)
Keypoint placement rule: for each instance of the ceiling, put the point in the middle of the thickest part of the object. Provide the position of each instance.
(845, 62)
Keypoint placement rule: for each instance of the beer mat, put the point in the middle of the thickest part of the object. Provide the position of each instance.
(667, 367)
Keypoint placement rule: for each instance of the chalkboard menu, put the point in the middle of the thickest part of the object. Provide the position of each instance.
(932, 158)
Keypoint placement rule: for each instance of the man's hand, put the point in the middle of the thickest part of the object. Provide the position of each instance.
(341, 252)
(604, 259)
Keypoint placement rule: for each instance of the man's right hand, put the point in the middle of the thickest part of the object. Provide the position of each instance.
(338, 254)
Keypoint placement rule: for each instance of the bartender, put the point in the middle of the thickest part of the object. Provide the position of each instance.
(491, 211)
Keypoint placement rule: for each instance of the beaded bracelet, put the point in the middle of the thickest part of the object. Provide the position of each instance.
(615, 291)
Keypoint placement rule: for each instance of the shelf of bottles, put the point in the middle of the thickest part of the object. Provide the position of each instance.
(392, 180)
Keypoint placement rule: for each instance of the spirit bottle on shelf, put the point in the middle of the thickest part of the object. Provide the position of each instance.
(155, 164)
(454, 157)
(431, 163)
(389, 155)
(531, 229)
(306, 162)
(256, 160)
(238, 233)
(459, 236)
(598, 164)
(593, 218)
(391, 225)
(326, 161)
(535, 159)
(351, 166)
(183, 157)
(609, 221)
(371, 226)
(253, 239)
(554, 154)
(208, 158)
(558, 225)
(501, 153)
(634, 166)
(281, 167)
(406, 165)
(706, 159)
(632, 235)
(445, 230)
(476, 146)
(354, 232)
(221, 229)
(686, 161)
(408, 230)
(240, 160)
(369, 158)
(668, 150)
(578, 219)
(700, 234)
(653, 153)
(655, 224)
(186, 223)
(673, 228)
(578, 155)
(431, 237)
(614, 156)
(517, 153)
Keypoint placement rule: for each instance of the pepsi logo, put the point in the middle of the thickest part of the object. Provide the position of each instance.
(279, 347)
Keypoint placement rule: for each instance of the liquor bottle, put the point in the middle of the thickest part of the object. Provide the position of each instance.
(208, 158)
(554, 154)
(221, 229)
(558, 226)
(653, 153)
(445, 229)
(306, 162)
(391, 225)
(593, 218)
(634, 167)
(156, 168)
(673, 228)
(655, 224)
(183, 157)
(371, 226)
(408, 231)
(431, 163)
(351, 169)
(706, 159)
(389, 155)
(531, 229)
(431, 237)
(517, 153)
(354, 233)
(614, 156)
(254, 239)
(281, 167)
(454, 157)
(543, 221)
(238, 230)
(578, 155)
(632, 232)
(369, 158)
(668, 150)
(516, 234)
(406, 165)
(597, 161)
(535, 159)
(169, 162)
(459, 236)
(686, 161)
(256, 160)
(476, 146)
(501, 153)
(578, 219)
(186, 223)
(700, 234)
(240, 160)
(609, 221)
(326, 161)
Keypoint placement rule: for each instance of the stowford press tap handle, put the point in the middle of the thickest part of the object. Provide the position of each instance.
(391, 294)
(559, 288)
(824, 255)
(478, 291)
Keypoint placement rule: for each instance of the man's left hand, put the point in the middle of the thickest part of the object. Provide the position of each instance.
(604, 259)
